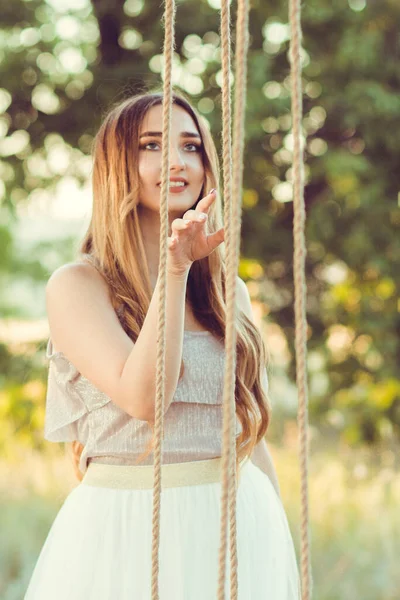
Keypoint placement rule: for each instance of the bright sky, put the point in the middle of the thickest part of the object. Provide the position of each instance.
(67, 203)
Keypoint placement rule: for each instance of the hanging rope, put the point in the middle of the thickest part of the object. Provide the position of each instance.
(232, 217)
(300, 286)
(169, 43)
(228, 497)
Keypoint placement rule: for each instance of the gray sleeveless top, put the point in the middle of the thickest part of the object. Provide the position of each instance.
(77, 410)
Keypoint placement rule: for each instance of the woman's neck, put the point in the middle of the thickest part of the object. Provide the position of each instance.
(150, 228)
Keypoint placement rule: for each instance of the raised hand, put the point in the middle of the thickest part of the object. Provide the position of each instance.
(189, 240)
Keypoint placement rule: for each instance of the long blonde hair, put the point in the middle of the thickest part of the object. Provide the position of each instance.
(114, 245)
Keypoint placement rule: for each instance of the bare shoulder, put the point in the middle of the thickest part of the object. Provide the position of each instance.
(76, 274)
(84, 325)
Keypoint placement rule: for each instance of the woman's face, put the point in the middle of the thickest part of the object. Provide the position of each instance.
(185, 160)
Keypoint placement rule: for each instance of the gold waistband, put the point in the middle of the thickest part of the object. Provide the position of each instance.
(142, 477)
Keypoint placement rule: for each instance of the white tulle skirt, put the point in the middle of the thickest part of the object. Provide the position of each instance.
(99, 545)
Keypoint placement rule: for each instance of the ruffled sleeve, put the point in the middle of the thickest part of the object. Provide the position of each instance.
(64, 406)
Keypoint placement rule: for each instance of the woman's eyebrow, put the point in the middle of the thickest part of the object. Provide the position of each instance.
(183, 134)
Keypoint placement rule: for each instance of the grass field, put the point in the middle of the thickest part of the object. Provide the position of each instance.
(354, 507)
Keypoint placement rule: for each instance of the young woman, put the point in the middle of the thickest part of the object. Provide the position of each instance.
(102, 312)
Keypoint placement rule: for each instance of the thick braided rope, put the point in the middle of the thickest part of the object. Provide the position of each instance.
(229, 475)
(229, 460)
(169, 41)
(299, 285)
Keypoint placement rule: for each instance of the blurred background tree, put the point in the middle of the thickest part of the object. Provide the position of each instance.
(64, 63)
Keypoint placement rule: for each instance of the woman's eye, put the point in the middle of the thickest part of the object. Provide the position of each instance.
(196, 147)
(144, 146)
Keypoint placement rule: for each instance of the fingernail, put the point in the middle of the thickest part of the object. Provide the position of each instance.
(213, 190)
(202, 216)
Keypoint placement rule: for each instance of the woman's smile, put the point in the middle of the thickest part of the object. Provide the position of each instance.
(176, 188)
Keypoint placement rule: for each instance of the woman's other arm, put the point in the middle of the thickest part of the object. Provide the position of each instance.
(262, 458)
(261, 455)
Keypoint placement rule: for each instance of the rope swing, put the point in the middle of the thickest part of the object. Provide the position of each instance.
(232, 185)
(232, 222)
(300, 289)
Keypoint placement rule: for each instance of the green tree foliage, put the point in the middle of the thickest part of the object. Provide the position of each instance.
(63, 63)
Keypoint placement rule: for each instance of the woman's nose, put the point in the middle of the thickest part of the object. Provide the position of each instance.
(176, 158)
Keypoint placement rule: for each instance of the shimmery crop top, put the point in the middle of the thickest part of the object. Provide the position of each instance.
(77, 410)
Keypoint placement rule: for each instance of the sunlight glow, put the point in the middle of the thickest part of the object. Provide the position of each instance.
(68, 5)
(276, 33)
(45, 99)
(67, 27)
(5, 100)
(72, 60)
(132, 8)
(15, 143)
(130, 39)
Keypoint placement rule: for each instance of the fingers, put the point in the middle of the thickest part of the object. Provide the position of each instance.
(190, 214)
(205, 203)
(202, 206)
(179, 225)
(215, 239)
(193, 220)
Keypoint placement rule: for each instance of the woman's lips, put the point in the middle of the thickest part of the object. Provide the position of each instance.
(176, 189)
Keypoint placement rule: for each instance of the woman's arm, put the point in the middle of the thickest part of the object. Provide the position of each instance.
(260, 456)
(85, 327)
